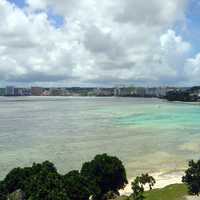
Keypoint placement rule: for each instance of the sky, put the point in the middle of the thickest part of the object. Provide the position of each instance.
(99, 43)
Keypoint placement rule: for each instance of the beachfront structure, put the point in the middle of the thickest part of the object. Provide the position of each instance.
(104, 91)
(2, 91)
(18, 92)
(10, 91)
(36, 91)
(57, 92)
(124, 91)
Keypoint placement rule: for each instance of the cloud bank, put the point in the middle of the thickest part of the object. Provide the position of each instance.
(96, 43)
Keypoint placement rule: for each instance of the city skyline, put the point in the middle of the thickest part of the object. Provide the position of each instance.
(95, 91)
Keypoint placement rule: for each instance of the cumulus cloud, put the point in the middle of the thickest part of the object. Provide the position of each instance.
(99, 43)
(192, 69)
(153, 13)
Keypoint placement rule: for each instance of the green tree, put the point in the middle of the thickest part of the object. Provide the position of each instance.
(192, 177)
(41, 181)
(46, 185)
(77, 186)
(106, 172)
(138, 189)
(14, 180)
(147, 179)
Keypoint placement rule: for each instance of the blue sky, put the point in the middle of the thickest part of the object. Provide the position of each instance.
(192, 32)
(57, 20)
(103, 43)
(19, 3)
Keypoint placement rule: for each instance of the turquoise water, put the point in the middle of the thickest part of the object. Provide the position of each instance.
(149, 135)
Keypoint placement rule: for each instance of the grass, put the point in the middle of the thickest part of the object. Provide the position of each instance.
(171, 192)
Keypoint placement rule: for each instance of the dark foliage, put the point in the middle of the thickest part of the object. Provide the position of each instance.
(192, 177)
(46, 185)
(18, 177)
(181, 96)
(107, 174)
(77, 186)
(42, 181)
(147, 179)
(138, 189)
(139, 183)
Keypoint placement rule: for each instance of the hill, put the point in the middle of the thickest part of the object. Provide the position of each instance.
(172, 192)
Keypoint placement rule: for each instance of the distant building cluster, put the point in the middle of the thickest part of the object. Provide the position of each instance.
(78, 91)
(13, 91)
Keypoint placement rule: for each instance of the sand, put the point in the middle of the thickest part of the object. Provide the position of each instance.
(162, 180)
(193, 198)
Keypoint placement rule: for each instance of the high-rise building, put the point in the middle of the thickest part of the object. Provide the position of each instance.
(10, 91)
(2, 91)
(26, 92)
(36, 91)
(18, 91)
(57, 92)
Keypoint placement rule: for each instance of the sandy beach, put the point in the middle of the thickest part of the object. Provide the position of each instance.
(162, 180)
(192, 198)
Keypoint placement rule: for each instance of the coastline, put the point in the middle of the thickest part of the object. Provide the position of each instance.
(162, 180)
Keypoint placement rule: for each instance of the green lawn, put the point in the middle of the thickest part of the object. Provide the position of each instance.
(171, 192)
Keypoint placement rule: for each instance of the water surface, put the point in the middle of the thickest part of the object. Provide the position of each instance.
(149, 135)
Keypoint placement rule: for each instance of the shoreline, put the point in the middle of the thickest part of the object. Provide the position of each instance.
(162, 180)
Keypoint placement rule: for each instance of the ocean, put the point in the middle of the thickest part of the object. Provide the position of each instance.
(147, 134)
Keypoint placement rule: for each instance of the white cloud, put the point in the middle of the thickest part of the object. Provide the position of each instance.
(170, 42)
(37, 4)
(174, 52)
(106, 42)
(153, 13)
(192, 69)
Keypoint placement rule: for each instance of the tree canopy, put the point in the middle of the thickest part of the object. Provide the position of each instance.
(192, 177)
(42, 181)
(147, 179)
(139, 183)
(77, 186)
(107, 174)
(138, 189)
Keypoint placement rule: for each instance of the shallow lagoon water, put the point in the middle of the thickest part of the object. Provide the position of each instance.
(149, 135)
